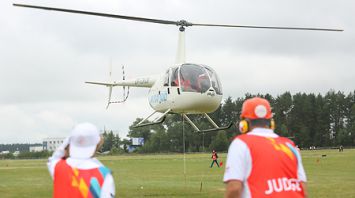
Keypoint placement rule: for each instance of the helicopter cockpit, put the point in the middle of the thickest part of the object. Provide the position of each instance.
(193, 78)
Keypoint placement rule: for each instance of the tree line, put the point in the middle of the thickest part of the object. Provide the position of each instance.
(17, 147)
(308, 119)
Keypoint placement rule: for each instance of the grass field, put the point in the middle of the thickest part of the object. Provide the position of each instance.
(163, 175)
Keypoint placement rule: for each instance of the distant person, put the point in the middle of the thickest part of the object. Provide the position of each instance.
(298, 148)
(185, 84)
(214, 158)
(203, 83)
(75, 171)
(260, 163)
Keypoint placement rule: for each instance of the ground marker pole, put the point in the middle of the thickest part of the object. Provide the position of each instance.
(203, 150)
(183, 143)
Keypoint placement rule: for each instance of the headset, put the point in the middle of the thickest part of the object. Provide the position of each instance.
(244, 125)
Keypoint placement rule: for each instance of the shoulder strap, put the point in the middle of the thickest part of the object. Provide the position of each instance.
(104, 171)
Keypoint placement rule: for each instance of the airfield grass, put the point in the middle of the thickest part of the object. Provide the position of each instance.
(163, 175)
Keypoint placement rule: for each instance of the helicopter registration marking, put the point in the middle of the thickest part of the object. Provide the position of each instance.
(141, 81)
(159, 98)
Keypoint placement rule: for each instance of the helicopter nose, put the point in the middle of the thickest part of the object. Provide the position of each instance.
(211, 92)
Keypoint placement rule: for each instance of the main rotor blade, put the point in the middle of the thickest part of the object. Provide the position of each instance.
(267, 27)
(168, 22)
(100, 14)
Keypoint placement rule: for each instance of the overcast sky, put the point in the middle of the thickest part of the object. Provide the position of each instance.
(45, 57)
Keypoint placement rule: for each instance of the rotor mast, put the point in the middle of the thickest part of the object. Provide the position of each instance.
(180, 55)
(181, 52)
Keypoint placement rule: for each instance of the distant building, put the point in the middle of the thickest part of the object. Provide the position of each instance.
(36, 148)
(138, 141)
(16, 153)
(51, 144)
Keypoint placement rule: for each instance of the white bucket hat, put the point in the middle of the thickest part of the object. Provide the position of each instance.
(83, 141)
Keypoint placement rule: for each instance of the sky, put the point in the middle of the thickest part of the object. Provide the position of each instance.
(46, 56)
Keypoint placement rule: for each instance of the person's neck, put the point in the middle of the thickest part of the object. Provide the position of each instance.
(259, 127)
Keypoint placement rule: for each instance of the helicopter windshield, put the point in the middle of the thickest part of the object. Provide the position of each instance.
(195, 78)
(214, 80)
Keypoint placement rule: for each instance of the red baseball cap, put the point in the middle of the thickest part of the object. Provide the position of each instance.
(256, 108)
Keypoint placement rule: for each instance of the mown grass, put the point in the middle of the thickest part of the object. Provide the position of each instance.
(163, 175)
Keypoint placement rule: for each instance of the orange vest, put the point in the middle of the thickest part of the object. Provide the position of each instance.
(214, 156)
(71, 182)
(274, 167)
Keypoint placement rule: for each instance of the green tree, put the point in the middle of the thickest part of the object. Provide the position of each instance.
(7, 156)
(220, 142)
(351, 126)
(109, 140)
(229, 112)
(337, 110)
(322, 130)
(295, 118)
(157, 143)
(350, 115)
(116, 141)
(126, 143)
(282, 108)
(143, 132)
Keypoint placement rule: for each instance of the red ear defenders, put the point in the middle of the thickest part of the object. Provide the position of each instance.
(244, 125)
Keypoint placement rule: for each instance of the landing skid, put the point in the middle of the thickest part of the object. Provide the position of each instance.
(161, 119)
(158, 120)
(216, 127)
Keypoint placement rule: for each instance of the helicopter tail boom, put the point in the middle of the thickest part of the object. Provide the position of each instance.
(103, 83)
(147, 82)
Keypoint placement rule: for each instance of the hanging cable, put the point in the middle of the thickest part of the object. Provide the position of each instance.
(183, 143)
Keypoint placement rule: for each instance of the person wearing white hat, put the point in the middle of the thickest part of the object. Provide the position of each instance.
(77, 173)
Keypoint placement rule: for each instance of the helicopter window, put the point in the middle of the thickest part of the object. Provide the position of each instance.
(166, 78)
(175, 76)
(214, 80)
(193, 78)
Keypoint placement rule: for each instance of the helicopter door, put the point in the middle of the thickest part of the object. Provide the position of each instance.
(174, 79)
(167, 80)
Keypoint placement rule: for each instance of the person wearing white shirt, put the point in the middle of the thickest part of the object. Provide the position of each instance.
(260, 163)
(75, 171)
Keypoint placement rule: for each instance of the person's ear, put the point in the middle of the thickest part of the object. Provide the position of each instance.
(101, 143)
(66, 152)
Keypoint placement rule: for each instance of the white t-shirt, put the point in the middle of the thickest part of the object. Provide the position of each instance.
(108, 187)
(239, 161)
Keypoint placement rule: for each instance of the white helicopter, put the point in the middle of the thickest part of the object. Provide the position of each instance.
(184, 88)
